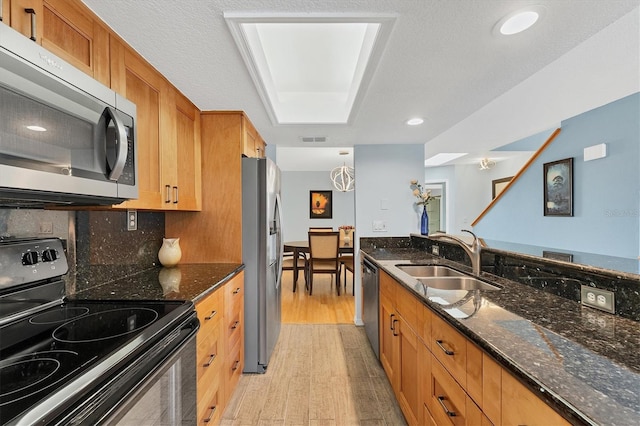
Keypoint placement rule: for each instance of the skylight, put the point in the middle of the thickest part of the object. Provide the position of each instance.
(310, 70)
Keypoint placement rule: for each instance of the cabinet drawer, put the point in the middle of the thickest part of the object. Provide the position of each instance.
(210, 310)
(450, 348)
(234, 293)
(407, 306)
(447, 402)
(210, 400)
(388, 287)
(233, 330)
(234, 365)
(210, 351)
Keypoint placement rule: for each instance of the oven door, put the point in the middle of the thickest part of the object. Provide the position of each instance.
(167, 397)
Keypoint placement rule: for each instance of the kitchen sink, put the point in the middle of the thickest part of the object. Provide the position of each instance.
(420, 271)
(456, 283)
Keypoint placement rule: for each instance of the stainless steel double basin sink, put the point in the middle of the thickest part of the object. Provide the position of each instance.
(444, 278)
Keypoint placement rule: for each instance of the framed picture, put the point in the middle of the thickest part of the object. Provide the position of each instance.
(498, 185)
(558, 188)
(320, 205)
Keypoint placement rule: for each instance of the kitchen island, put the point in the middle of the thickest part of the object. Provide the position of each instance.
(582, 362)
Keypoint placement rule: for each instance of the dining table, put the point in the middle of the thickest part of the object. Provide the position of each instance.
(302, 246)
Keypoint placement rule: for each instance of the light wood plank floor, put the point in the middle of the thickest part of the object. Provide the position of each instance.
(323, 371)
(324, 306)
(319, 374)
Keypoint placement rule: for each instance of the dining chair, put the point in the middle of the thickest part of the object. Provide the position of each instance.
(346, 260)
(323, 256)
(288, 263)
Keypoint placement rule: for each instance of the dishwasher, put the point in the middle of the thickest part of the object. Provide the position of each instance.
(370, 306)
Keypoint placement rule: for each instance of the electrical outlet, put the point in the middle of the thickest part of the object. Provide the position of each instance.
(435, 250)
(598, 298)
(46, 227)
(379, 226)
(132, 220)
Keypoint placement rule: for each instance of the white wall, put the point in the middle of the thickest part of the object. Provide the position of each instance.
(383, 176)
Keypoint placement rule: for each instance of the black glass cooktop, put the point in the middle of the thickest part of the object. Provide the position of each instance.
(49, 351)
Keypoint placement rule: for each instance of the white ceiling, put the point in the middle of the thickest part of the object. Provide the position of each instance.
(476, 90)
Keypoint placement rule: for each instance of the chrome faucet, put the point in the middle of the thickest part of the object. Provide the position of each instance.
(472, 251)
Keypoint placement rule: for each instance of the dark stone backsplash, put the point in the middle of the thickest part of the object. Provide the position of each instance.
(554, 277)
(106, 251)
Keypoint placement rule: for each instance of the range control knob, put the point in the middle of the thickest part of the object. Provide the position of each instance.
(49, 255)
(30, 258)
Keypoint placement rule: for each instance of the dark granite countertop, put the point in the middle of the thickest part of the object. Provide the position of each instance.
(584, 362)
(182, 282)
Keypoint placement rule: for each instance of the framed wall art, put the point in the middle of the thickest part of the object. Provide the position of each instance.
(558, 188)
(320, 205)
(498, 185)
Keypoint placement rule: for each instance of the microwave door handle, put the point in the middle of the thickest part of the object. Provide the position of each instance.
(117, 157)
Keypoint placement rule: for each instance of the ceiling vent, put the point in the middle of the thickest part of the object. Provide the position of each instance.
(313, 139)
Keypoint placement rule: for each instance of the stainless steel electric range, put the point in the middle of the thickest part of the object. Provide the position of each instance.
(72, 362)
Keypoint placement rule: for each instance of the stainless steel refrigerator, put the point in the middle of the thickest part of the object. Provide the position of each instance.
(262, 256)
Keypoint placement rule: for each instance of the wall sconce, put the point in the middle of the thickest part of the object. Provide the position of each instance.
(486, 164)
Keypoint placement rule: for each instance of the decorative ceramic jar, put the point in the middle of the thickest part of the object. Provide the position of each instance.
(170, 253)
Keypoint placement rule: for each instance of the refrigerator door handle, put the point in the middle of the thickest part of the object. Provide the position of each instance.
(279, 242)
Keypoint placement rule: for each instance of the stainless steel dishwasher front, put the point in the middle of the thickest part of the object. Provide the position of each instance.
(370, 303)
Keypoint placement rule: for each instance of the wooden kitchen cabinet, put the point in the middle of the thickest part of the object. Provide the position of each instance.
(253, 144)
(399, 346)
(520, 406)
(220, 348)
(210, 357)
(168, 135)
(68, 29)
(458, 383)
(214, 234)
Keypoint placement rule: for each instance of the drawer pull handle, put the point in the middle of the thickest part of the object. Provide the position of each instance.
(33, 23)
(167, 198)
(235, 325)
(394, 327)
(210, 361)
(236, 291)
(392, 322)
(211, 315)
(444, 407)
(175, 195)
(213, 411)
(235, 365)
(445, 350)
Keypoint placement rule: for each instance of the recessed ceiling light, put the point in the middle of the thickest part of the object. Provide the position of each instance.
(415, 121)
(519, 21)
(36, 128)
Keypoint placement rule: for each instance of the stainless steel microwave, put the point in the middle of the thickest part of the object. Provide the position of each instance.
(65, 138)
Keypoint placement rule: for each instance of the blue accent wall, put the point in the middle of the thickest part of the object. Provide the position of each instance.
(606, 192)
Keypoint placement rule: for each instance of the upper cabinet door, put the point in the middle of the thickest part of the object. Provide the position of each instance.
(73, 33)
(134, 79)
(26, 18)
(187, 187)
(66, 28)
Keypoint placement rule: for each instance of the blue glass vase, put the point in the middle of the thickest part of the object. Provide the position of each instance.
(424, 222)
